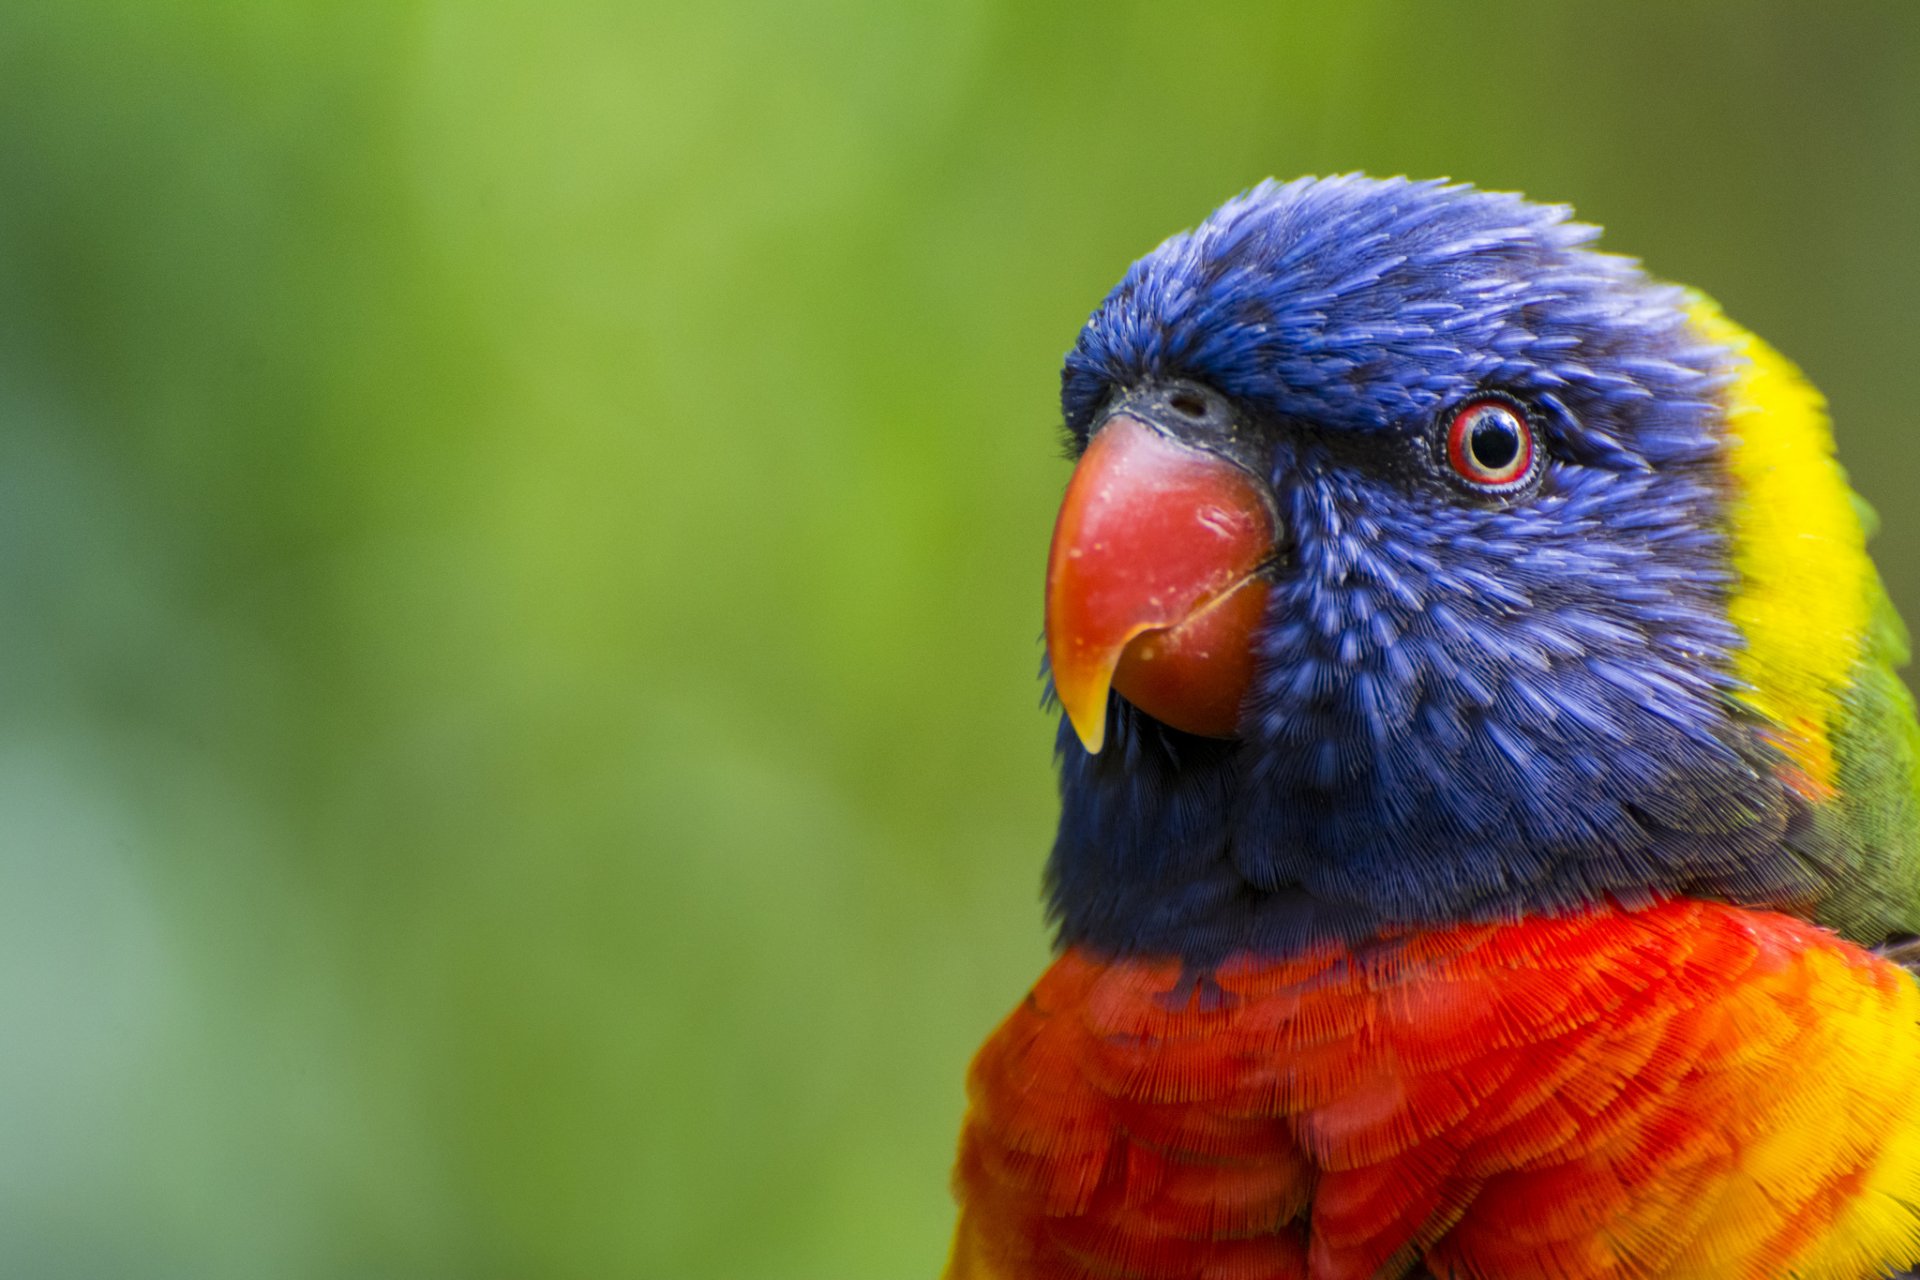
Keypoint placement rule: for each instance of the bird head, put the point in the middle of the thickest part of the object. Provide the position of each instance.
(1422, 563)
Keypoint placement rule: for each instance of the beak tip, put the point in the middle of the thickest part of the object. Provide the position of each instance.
(1085, 703)
(1092, 733)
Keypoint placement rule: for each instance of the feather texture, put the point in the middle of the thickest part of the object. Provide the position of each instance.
(1691, 1090)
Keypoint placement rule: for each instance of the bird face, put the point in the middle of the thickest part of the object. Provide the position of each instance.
(1394, 582)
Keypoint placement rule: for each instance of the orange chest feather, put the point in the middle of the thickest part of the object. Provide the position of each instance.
(1686, 1091)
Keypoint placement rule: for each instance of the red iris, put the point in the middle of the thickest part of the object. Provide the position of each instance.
(1490, 445)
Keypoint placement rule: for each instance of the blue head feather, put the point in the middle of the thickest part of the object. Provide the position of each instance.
(1463, 708)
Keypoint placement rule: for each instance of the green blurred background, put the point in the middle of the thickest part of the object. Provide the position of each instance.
(520, 539)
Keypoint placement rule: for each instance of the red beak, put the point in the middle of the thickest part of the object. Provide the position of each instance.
(1154, 582)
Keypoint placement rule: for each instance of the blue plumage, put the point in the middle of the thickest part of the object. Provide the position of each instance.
(1464, 707)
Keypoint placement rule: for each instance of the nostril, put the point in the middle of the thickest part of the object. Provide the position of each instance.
(1187, 404)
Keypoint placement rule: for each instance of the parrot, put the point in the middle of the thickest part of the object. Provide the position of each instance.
(1489, 840)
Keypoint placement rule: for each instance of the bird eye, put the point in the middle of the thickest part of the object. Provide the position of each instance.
(1490, 445)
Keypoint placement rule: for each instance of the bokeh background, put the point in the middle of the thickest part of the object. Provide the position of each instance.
(520, 537)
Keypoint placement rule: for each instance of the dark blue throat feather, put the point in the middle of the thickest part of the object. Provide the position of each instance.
(1466, 707)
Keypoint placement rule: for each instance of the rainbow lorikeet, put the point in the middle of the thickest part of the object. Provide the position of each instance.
(1489, 814)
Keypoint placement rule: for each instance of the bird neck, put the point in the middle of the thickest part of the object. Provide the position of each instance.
(1173, 845)
(1143, 862)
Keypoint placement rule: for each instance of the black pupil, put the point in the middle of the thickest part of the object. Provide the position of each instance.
(1494, 439)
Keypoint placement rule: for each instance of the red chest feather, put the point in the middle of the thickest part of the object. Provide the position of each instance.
(1686, 1091)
